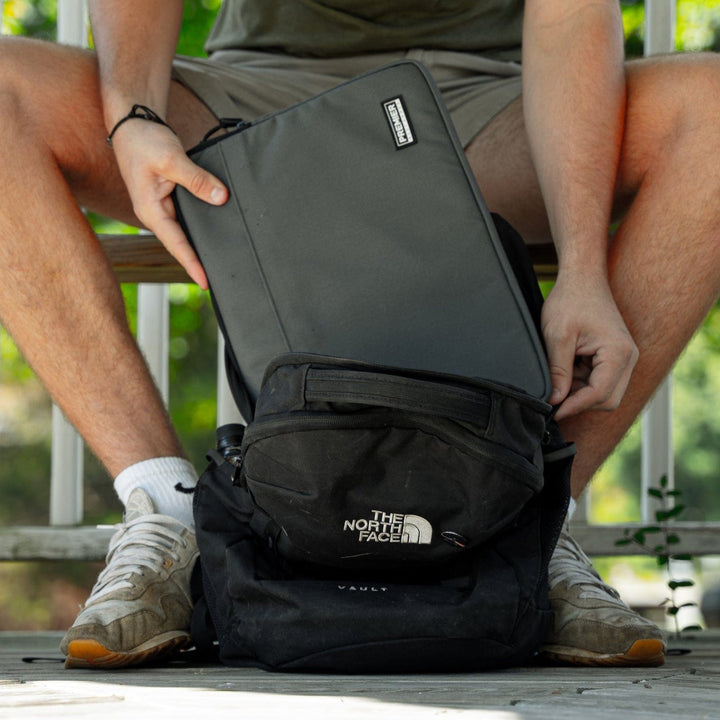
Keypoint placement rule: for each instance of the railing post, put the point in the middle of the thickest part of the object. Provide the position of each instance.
(153, 332)
(657, 447)
(72, 26)
(660, 22)
(227, 411)
(66, 472)
(657, 439)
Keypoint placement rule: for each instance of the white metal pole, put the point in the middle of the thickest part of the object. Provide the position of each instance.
(657, 436)
(72, 27)
(657, 446)
(660, 23)
(66, 473)
(153, 331)
(227, 411)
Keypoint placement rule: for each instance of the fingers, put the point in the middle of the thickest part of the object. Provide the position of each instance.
(561, 358)
(590, 351)
(159, 215)
(153, 162)
(603, 385)
(197, 181)
(169, 232)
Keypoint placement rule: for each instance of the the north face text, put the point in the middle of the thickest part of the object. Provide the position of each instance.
(385, 527)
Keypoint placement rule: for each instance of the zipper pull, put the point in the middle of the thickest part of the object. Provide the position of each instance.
(225, 124)
(229, 444)
(237, 462)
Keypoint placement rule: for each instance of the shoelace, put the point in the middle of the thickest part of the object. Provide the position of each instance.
(570, 563)
(141, 544)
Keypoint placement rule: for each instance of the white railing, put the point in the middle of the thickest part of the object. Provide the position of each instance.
(66, 506)
(153, 332)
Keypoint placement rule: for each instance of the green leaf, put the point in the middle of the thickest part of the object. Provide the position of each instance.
(651, 529)
(639, 537)
(624, 541)
(672, 539)
(677, 510)
(672, 610)
(664, 481)
(681, 556)
(673, 493)
(659, 549)
(654, 492)
(662, 560)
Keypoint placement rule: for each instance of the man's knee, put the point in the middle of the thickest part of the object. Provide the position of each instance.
(672, 106)
(12, 119)
(11, 81)
(44, 77)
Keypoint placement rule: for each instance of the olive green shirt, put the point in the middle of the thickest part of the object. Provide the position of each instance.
(326, 28)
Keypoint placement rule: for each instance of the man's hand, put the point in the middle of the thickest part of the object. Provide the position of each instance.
(590, 350)
(152, 162)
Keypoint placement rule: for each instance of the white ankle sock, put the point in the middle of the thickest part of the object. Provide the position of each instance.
(169, 481)
(571, 508)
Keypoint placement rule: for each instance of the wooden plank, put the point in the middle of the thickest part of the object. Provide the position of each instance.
(90, 543)
(54, 543)
(142, 258)
(684, 688)
(696, 538)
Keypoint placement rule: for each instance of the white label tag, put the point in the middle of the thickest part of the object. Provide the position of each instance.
(399, 122)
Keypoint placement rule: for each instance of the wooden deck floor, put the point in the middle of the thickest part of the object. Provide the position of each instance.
(687, 686)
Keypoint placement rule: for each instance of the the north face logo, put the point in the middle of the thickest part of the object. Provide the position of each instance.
(391, 528)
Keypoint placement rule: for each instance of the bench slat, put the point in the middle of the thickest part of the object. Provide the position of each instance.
(142, 258)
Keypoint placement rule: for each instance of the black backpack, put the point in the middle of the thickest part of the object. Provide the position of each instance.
(372, 519)
(395, 499)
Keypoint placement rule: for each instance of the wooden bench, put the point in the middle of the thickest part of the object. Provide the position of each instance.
(141, 258)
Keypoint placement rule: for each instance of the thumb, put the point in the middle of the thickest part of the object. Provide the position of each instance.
(200, 183)
(561, 358)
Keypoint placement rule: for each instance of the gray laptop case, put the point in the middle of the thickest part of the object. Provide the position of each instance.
(355, 229)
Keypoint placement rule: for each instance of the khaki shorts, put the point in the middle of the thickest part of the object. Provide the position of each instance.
(248, 84)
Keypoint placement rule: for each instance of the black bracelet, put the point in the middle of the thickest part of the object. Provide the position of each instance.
(141, 112)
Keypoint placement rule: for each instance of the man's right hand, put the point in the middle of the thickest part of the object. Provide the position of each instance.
(590, 350)
(152, 162)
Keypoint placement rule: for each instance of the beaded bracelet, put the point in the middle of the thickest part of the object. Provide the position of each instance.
(141, 112)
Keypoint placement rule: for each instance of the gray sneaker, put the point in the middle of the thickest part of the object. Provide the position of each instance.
(592, 625)
(140, 606)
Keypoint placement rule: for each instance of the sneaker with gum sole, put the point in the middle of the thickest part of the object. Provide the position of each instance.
(592, 625)
(139, 609)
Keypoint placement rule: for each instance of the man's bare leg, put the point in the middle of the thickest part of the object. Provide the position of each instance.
(59, 298)
(60, 301)
(664, 265)
(665, 257)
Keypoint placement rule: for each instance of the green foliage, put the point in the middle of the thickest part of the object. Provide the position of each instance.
(36, 18)
(658, 540)
(698, 22)
(197, 20)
